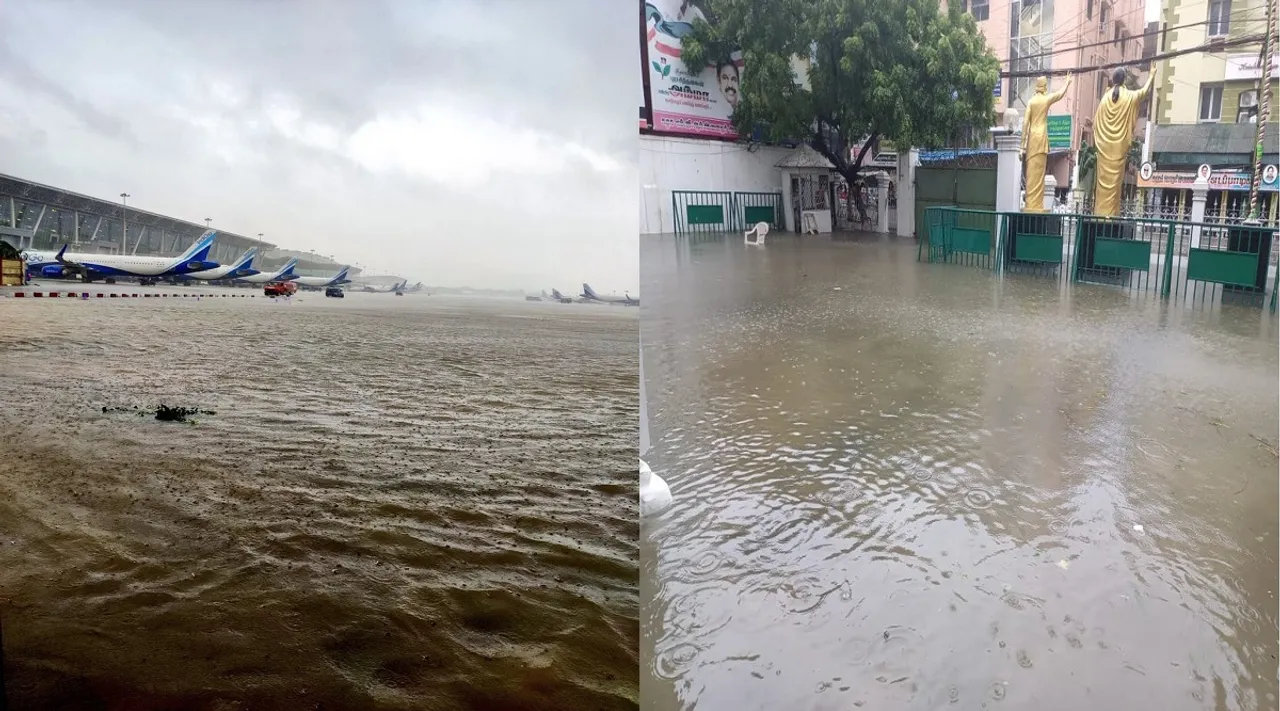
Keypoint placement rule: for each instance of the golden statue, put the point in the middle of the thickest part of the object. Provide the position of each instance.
(1112, 136)
(1035, 141)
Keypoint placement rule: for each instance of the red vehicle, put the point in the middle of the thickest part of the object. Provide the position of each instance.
(284, 288)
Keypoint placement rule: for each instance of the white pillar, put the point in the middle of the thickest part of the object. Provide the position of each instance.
(788, 219)
(907, 161)
(1199, 194)
(1008, 173)
(1050, 192)
(882, 205)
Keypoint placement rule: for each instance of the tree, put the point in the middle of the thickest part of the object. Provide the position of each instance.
(902, 70)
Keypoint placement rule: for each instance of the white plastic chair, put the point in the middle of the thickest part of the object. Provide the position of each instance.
(759, 231)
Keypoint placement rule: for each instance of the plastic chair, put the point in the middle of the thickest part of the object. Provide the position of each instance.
(758, 232)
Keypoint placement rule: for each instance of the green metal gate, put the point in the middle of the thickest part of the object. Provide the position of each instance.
(969, 188)
(702, 211)
(758, 207)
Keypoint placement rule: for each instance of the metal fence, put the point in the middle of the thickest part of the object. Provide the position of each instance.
(718, 211)
(1193, 262)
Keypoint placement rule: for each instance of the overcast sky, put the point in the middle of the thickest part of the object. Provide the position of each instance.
(473, 142)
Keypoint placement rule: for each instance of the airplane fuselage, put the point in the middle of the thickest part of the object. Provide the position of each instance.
(47, 264)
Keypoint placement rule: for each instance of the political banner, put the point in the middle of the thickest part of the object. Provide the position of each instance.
(695, 102)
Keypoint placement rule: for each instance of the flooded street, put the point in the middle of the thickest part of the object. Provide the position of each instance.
(906, 486)
(399, 503)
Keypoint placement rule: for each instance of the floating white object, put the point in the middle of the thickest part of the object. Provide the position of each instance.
(655, 495)
(759, 231)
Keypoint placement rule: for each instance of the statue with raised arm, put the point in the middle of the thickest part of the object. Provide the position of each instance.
(1035, 141)
(1112, 137)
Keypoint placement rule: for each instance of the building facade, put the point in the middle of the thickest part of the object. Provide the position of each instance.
(1207, 106)
(1034, 36)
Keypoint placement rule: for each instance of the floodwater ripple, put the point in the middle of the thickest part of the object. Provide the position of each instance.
(928, 487)
(400, 504)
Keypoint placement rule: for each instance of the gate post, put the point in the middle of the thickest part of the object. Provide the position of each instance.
(1008, 173)
(907, 161)
(788, 220)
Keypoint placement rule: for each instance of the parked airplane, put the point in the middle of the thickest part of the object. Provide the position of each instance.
(394, 288)
(91, 266)
(321, 282)
(285, 273)
(242, 267)
(557, 296)
(590, 294)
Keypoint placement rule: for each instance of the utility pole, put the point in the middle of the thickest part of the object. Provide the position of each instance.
(1264, 110)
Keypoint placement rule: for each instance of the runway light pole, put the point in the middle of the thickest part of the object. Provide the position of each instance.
(207, 220)
(124, 219)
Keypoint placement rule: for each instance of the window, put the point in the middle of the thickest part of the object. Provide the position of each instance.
(981, 9)
(1219, 17)
(1211, 103)
(1247, 107)
(1088, 9)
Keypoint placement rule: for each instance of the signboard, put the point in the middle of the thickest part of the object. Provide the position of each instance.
(1146, 171)
(998, 89)
(1218, 180)
(1248, 67)
(1059, 130)
(1269, 176)
(697, 102)
(1204, 172)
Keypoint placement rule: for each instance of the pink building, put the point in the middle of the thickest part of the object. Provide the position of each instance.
(1057, 35)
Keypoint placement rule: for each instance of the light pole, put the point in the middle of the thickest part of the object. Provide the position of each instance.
(124, 220)
(207, 220)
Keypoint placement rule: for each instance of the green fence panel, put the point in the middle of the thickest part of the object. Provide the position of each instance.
(1032, 247)
(702, 211)
(758, 207)
(1122, 254)
(705, 214)
(971, 240)
(1222, 267)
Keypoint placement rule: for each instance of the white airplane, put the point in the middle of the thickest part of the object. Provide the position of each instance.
(335, 280)
(91, 266)
(242, 267)
(557, 296)
(285, 273)
(590, 294)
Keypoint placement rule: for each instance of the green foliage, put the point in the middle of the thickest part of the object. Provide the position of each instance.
(902, 70)
(8, 251)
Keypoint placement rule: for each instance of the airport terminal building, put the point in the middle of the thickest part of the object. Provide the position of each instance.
(43, 217)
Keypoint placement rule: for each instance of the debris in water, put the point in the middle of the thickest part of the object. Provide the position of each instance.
(1137, 527)
(164, 413)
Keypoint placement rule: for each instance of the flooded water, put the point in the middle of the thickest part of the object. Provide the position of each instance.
(905, 486)
(399, 503)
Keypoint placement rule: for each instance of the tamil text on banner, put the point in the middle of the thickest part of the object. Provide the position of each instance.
(687, 101)
(1218, 180)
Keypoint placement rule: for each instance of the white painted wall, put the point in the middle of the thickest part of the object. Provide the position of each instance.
(668, 164)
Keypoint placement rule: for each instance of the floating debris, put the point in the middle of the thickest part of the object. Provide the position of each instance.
(164, 413)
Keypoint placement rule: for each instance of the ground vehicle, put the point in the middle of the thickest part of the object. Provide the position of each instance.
(285, 288)
(335, 292)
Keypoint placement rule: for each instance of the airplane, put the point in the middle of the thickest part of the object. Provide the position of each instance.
(590, 294)
(285, 273)
(557, 296)
(242, 267)
(89, 266)
(321, 282)
(394, 288)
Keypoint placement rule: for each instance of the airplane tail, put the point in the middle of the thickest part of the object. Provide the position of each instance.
(246, 260)
(555, 294)
(199, 251)
(341, 276)
(287, 272)
(588, 292)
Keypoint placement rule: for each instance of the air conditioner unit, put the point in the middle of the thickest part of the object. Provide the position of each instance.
(1248, 99)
